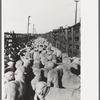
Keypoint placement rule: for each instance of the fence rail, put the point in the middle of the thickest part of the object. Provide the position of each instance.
(65, 39)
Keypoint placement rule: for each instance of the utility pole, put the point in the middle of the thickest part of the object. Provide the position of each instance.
(28, 24)
(74, 30)
(76, 11)
(28, 28)
(33, 28)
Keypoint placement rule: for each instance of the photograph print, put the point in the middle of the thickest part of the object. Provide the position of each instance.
(42, 50)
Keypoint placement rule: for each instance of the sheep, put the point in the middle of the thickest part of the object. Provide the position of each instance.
(37, 78)
(53, 77)
(64, 67)
(8, 76)
(36, 56)
(10, 66)
(70, 81)
(44, 60)
(26, 63)
(54, 58)
(36, 65)
(49, 64)
(64, 55)
(45, 71)
(43, 92)
(75, 68)
(56, 51)
(15, 90)
(19, 63)
(76, 61)
(66, 60)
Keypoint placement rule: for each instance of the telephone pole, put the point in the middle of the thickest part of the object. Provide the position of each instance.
(76, 11)
(28, 24)
(33, 28)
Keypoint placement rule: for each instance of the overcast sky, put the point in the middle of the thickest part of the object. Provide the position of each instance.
(45, 14)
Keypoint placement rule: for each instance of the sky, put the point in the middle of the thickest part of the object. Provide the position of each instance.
(46, 15)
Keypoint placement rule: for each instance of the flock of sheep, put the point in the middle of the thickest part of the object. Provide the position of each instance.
(40, 71)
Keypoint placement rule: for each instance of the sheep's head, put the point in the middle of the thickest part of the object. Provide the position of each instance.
(9, 76)
(19, 63)
(20, 73)
(50, 64)
(10, 64)
(41, 88)
(37, 72)
(64, 55)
